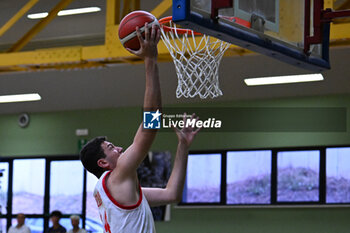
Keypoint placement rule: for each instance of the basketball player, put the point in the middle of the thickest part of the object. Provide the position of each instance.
(20, 227)
(123, 204)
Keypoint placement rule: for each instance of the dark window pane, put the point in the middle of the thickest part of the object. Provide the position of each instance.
(338, 175)
(66, 186)
(203, 179)
(28, 186)
(4, 178)
(248, 177)
(93, 222)
(36, 225)
(298, 176)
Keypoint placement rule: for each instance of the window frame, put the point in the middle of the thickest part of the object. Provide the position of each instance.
(255, 204)
(46, 214)
(273, 200)
(222, 179)
(223, 188)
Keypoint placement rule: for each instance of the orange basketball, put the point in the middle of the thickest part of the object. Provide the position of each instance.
(127, 28)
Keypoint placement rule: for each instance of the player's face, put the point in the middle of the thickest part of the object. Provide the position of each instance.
(112, 153)
(75, 222)
(55, 220)
(20, 219)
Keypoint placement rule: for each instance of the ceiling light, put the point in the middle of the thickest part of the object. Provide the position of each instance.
(79, 11)
(283, 79)
(19, 98)
(38, 15)
(66, 12)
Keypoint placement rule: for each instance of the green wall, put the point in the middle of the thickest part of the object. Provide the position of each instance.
(54, 134)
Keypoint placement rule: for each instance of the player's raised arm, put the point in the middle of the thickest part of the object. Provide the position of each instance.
(173, 191)
(143, 139)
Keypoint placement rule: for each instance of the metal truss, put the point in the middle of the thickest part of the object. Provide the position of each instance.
(109, 53)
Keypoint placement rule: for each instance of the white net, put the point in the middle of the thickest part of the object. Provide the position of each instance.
(197, 60)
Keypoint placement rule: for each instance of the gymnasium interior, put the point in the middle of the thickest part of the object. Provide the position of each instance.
(91, 86)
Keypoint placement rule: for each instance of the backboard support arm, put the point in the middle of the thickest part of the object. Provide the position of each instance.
(322, 18)
(219, 4)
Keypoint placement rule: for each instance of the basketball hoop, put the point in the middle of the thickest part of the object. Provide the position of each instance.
(196, 57)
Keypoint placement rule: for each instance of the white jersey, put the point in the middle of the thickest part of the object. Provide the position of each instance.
(117, 218)
(22, 229)
(81, 230)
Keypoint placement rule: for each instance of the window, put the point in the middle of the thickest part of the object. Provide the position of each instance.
(298, 176)
(248, 177)
(4, 177)
(36, 225)
(37, 191)
(203, 179)
(66, 186)
(28, 186)
(276, 176)
(2, 225)
(93, 222)
(338, 175)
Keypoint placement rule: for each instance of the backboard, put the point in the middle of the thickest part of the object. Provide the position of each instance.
(282, 29)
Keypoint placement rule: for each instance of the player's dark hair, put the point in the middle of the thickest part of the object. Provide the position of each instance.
(91, 153)
(56, 213)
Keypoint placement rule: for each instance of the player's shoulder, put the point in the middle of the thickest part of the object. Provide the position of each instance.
(101, 180)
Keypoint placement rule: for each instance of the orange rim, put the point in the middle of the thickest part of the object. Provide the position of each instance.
(166, 20)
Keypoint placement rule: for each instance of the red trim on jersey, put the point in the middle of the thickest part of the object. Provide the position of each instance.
(114, 201)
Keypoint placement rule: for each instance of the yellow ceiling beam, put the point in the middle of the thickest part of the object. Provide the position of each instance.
(137, 4)
(101, 54)
(39, 26)
(113, 18)
(78, 57)
(14, 59)
(340, 31)
(328, 4)
(60, 57)
(112, 12)
(17, 16)
(126, 8)
(42, 56)
(341, 4)
(130, 5)
(162, 8)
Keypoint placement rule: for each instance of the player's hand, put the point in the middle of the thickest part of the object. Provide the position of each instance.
(187, 133)
(148, 45)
